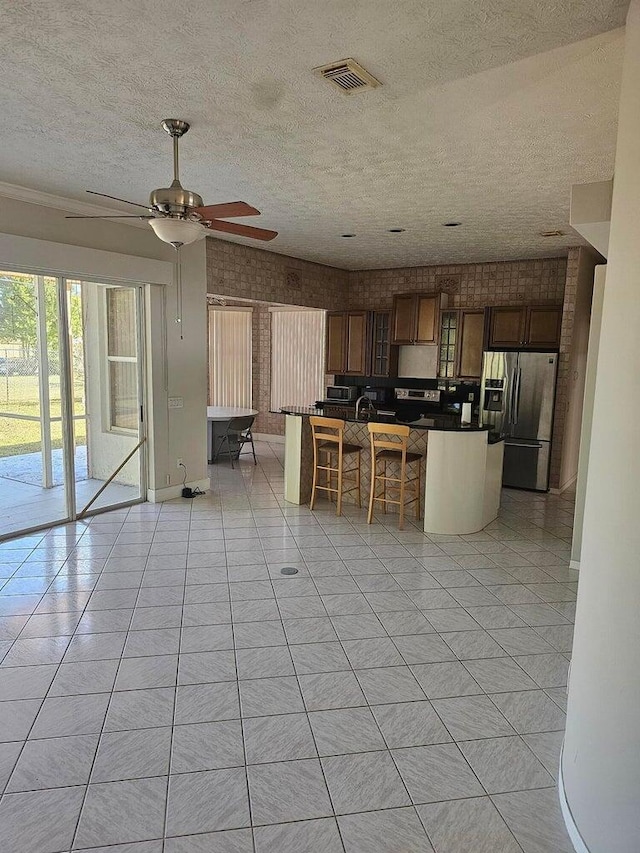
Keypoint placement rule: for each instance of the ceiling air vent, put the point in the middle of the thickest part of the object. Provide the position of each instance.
(348, 76)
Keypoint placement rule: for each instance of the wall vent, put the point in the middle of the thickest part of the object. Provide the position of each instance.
(348, 76)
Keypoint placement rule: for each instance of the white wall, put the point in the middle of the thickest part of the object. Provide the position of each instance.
(175, 367)
(601, 760)
(587, 418)
(577, 368)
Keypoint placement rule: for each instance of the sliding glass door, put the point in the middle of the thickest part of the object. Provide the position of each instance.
(33, 462)
(71, 399)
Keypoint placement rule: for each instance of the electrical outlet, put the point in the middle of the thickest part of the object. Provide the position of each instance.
(179, 463)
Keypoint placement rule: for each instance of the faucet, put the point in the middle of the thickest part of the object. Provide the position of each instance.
(361, 399)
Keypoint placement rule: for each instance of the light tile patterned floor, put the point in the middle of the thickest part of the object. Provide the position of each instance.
(161, 679)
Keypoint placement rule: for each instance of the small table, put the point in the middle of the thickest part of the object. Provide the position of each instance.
(218, 418)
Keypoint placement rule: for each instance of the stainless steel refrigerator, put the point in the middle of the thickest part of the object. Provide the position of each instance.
(517, 398)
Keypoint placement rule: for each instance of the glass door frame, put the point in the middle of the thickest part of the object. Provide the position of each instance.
(67, 417)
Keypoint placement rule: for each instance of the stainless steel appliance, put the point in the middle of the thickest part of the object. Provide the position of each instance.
(378, 395)
(419, 395)
(343, 393)
(517, 398)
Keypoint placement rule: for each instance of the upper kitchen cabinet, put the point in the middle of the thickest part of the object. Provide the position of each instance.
(336, 341)
(384, 357)
(525, 327)
(507, 327)
(416, 318)
(471, 343)
(359, 344)
(356, 345)
(461, 343)
(544, 324)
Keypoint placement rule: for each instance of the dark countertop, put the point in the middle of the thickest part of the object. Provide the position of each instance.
(443, 423)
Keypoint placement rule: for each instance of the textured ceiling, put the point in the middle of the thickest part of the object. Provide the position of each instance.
(489, 111)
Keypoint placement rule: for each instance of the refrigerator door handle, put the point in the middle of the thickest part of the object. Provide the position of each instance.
(522, 444)
(512, 395)
(516, 396)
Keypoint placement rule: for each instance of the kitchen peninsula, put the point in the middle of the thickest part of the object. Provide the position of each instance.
(462, 467)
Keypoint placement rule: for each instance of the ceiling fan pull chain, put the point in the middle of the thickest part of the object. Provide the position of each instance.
(179, 291)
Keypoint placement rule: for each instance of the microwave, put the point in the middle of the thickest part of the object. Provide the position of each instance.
(343, 393)
(378, 395)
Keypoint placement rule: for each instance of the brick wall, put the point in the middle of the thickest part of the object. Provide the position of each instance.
(243, 272)
(468, 285)
(264, 278)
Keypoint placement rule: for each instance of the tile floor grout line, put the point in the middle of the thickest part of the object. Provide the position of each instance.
(104, 719)
(175, 703)
(46, 695)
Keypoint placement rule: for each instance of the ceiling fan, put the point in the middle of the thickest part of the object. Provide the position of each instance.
(179, 216)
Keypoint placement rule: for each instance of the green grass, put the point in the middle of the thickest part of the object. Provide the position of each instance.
(19, 396)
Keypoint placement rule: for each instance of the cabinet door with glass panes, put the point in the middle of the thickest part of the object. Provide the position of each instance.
(449, 329)
(384, 356)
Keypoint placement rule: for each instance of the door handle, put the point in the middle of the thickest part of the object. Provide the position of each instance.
(522, 444)
(512, 397)
(516, 397)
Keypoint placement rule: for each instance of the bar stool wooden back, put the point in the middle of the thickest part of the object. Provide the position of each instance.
(328, 442)
(389, 443)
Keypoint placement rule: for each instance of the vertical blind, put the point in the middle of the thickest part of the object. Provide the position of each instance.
(230, 357)
(297, 357)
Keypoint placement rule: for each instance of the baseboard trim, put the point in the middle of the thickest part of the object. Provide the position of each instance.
(168, 493)
(564, 486)
(574, 833)
(574, 564)
(271, 439)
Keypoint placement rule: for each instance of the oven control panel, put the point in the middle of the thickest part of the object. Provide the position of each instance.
(420, 395)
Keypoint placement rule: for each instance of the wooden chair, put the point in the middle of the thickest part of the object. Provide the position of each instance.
(328, 434)
(389, 443)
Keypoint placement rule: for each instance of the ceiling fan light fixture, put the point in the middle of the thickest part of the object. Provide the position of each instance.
(177, 232)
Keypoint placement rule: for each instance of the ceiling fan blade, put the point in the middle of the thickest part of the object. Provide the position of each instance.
(116, 216)
(227, 210)
(242, 230)
(115, 198)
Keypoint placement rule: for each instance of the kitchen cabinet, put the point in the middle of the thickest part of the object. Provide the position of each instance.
(416, 318)
(461, 343)
(543, 326)
(336, 341)
(356, 348)
(359, 344)
(471, 343)
(525, 327)
(384, 356)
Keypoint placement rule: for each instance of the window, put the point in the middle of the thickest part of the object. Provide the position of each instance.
(297, 357)
(122, 358)
(230, 357)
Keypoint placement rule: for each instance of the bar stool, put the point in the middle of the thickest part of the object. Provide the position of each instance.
(389, 444)
(328, 438)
